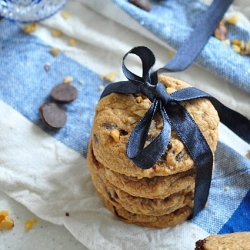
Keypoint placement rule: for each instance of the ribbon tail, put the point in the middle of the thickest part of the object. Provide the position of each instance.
(124, 87)
(146, 157)
(238, 123)
(199, 150)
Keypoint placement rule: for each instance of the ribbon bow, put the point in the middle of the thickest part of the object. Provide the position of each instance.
(173, 114)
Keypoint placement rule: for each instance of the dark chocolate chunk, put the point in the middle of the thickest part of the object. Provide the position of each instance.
(109, 125)
(143, 4)
(53, 116)
(199, 245)
(123, 132)
(180, 156)
(150, 138)
(64, 93)
(95, 138)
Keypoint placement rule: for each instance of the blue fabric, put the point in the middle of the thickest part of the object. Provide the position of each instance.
(239, 219)
(227, 210)
(25, 85)
(173, 20)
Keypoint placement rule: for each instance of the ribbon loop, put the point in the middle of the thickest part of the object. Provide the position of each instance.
(148, 60)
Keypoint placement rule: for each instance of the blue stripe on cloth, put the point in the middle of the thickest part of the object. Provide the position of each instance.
(232, 171)
(25, 85)
(172, 21)
(240, 218)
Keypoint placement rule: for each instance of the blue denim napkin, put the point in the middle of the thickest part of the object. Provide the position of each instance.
(172, 21)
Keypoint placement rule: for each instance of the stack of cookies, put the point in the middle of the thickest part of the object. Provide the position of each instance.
(163, 195)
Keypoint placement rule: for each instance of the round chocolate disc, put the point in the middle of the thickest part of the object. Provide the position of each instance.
(143, 4)
(64, 93)
(53, 116)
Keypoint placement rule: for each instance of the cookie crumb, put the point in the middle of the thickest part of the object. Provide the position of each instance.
(67, 79)
(248, 155)
(247, 48)
(72, 42)
(6, 222)
(54, 51)
(139, 99)
(56, 33)
(221, 31)
(29, 224)
(233, 19)
(131, 119)
(170, 90)
(65, 14)
(30, 28)
(171, 53)
(110, 77)
(140, 113)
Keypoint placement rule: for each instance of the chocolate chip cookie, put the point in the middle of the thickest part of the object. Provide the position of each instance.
(160, 196)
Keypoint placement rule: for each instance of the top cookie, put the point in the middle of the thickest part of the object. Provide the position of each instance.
(233, 241)
(117, 115)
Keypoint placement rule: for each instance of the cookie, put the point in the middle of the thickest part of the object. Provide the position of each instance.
(154, 187)
(138, 205)
(162, 221)
(233, 241)
(117, 115)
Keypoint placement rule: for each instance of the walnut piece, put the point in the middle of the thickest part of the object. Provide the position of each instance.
(115, 134)
(6, 222)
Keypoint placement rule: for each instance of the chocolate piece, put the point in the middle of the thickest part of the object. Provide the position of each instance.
(109, 125)
(53, 116)
(64, 93)
(143, 4)
(199, 245)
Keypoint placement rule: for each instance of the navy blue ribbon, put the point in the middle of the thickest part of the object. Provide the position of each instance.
(173, 114)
